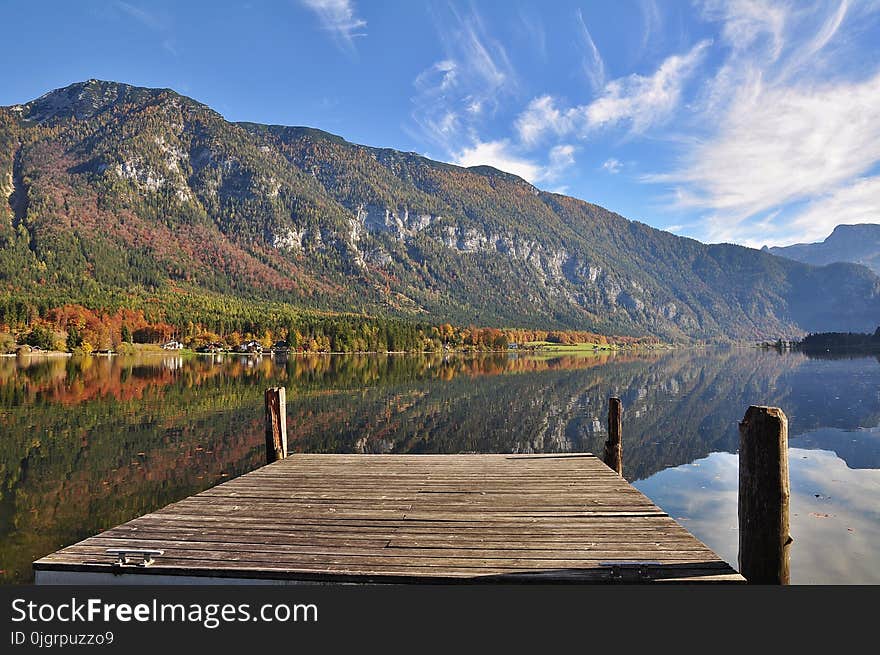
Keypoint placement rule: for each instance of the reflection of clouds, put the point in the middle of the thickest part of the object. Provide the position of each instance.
(702, 497)
(827, 550)
(842, 547)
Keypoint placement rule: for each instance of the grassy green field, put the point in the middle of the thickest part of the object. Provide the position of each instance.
(570, 347)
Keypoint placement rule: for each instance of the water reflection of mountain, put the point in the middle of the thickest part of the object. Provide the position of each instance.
(679, 407)
(860, 449)
(91, 443)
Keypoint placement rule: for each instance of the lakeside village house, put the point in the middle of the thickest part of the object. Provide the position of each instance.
(257, 347)
(213, 347)
(216, 347)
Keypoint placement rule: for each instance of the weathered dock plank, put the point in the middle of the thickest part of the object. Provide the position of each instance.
(406, 518)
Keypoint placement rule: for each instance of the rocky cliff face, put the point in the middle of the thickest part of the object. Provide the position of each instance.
(171, 193)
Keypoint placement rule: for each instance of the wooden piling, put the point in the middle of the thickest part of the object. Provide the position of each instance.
(276, 424)
(613, 455)
(764, 540)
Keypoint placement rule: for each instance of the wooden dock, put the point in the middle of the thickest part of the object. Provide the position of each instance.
(404, 519)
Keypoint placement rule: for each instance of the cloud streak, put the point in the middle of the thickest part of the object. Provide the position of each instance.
(594, 66)
(768, 132)
(636, 101)
(749, 24)
(152, 22)
(784, 144)
(340, 19)
(457, 94)
(500, 155)
(858, 202)
(644, 101)
(142, 16)
(787, 149)
(652, 21)
(612, 166)
(506, 156)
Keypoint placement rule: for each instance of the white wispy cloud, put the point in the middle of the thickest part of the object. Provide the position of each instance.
(143, 16)
(750, 24)
(541, 117)
(612, 165)
(789, 146)
(339, 18)
(530, 27)
(500, 155)
(560, 159)
(652, 21)
(807, 53)
(784, 144)
(643, 101)
(508, 157)
(752, 33)
(458, 96)
(444, 70)
(457, 93)
(594, 66)
(858, 202)
(636, 101)
(152, 21)
(778, 142)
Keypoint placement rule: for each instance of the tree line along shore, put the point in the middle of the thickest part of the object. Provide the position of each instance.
(822, 342)
(76, 329)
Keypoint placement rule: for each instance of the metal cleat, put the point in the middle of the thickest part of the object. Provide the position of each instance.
(622, 571)
(123, 555)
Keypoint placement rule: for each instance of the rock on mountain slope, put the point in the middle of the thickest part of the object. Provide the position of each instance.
(858, 244)
(114, 188)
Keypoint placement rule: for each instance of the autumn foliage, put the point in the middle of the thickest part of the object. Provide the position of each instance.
(76, 328)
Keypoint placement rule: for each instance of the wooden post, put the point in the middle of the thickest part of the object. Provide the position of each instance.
(276, 424)
(613, 455)
(764, 540)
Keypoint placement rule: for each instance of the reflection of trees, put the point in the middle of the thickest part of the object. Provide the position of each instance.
(678, 408)
(675, 411)
(91, 443)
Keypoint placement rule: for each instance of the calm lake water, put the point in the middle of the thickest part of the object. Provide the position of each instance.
(88, 444)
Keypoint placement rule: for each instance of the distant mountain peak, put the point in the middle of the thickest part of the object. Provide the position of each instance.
(857, 243)
(87, 99)
(80, 100)
(854, 228)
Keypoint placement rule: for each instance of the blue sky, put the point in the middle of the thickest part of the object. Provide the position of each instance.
(725, 120)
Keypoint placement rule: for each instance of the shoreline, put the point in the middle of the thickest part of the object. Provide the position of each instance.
(561, 350)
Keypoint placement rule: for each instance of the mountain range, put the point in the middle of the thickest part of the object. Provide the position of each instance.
(122, 192)
(859, 244)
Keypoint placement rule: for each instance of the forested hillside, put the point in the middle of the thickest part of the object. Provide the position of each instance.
(123, 197)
